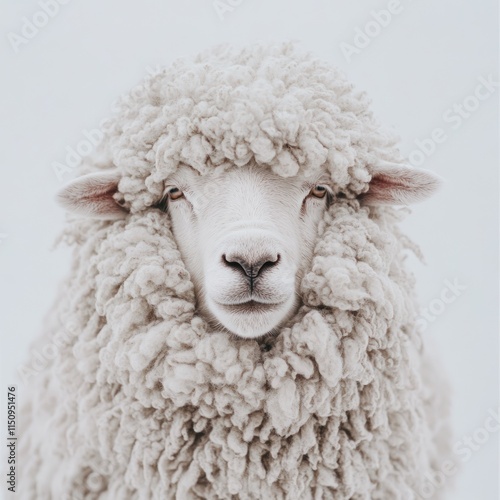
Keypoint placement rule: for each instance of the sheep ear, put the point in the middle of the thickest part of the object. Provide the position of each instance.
(91, 195)
(396, 184)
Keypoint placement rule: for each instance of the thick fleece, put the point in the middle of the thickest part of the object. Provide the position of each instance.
(143, 401)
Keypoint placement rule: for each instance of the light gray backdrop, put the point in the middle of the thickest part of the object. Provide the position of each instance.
(431, 70)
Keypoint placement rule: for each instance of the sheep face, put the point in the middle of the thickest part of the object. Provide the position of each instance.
(246, 237)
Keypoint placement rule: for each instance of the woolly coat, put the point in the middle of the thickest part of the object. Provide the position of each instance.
(143, 401)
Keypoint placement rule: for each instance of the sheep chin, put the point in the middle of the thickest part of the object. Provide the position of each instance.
(251, 320)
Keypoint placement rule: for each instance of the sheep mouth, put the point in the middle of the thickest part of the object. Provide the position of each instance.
(251, 306)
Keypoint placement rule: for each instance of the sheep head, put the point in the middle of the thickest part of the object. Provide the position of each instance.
(247, 235)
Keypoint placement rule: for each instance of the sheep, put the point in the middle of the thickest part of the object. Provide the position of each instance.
(243, 322)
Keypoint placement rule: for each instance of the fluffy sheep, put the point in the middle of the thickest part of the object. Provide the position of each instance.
(238, 319)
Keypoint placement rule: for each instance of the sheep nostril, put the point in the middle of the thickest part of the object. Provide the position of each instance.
(268, 263)
(238, 263)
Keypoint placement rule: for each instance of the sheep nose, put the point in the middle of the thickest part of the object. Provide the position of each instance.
(251, 267)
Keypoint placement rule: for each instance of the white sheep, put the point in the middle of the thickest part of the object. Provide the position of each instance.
(244, 326)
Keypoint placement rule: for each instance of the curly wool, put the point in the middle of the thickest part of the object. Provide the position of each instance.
(145, 402)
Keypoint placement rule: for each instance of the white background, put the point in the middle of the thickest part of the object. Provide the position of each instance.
(429, 57)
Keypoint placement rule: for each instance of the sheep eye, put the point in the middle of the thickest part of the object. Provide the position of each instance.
(175, 193)
(318, 191)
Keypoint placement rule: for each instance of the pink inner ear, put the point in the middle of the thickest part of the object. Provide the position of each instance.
(98, 193)
(381, 187)
(400, 185)
(92, 195)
